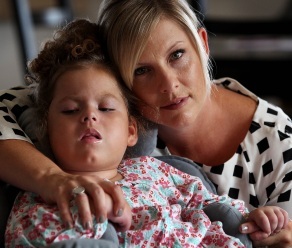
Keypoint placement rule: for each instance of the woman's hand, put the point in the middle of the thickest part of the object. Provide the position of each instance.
(95, 200)
(269, 226)
(282, 239)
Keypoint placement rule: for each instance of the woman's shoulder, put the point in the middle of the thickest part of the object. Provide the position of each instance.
(16, 97)
(266, 114)
(234, 85)
(273, 117)
(269, 137)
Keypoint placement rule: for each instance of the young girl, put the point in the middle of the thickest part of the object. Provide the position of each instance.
(89, 119)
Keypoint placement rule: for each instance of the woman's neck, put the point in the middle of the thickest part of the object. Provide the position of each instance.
(217, 131)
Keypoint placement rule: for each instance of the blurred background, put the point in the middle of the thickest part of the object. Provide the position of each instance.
(250, 41)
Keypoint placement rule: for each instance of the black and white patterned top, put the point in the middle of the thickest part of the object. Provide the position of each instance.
(13, 103)
(260, 172)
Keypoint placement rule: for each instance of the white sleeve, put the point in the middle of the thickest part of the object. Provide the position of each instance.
(14, 103)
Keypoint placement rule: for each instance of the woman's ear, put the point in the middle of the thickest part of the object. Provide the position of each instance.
(133, 132)
(204, 38)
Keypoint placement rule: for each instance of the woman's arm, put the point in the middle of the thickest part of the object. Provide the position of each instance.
(23, 166)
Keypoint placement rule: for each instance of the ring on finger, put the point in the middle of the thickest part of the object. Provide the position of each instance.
(107, 180)
(78, 190)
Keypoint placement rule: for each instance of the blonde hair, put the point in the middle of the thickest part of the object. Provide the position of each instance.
(126, 26)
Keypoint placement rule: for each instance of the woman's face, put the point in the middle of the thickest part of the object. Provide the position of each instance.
(169, 77)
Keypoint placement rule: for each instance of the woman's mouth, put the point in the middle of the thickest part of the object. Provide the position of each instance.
(176, 103)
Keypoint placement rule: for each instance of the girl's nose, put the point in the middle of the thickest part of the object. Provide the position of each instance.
(88, 117)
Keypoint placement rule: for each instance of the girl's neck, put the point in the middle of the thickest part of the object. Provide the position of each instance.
(112, 175)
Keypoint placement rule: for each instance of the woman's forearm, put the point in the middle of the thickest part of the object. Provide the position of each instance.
(23, 166)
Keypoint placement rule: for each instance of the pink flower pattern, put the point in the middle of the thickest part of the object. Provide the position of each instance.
(166, 212)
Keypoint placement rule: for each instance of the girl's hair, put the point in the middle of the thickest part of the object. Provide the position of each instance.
(126, 26)
(75, 46)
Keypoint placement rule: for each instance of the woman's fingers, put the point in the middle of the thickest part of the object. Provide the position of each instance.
(117, 196)
(65, 214)
(269, 219)
(83, 206)
(282, 239)
(59, 190)
(282, 220)
(97, 197)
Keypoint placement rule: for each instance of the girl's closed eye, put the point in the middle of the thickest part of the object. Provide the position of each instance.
(109, 103)
(70, 111)
(104, 109)
(69, 107)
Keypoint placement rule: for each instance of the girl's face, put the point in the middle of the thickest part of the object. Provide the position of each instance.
(88, 123)
(168, 76)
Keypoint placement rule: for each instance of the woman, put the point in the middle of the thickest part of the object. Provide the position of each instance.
(193, 126)
(162, 53)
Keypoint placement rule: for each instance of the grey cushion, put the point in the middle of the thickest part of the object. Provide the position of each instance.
(7, 196)
(108, 240)
(231, 219)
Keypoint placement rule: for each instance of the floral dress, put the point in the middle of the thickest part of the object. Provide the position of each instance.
(167, 211)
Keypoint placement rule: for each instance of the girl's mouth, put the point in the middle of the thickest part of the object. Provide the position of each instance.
(91, 135)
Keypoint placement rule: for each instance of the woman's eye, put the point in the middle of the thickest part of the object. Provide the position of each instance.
(140, 71)
(177, 54)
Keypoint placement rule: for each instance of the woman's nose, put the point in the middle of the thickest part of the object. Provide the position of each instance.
(168, 81)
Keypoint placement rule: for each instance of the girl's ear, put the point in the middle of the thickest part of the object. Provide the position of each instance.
(204, 38)
(133, 132)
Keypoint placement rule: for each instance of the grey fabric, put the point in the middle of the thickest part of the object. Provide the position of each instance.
(7, 196)
(231, 219)
(108, 240)
(83, 243)
(145, 145)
